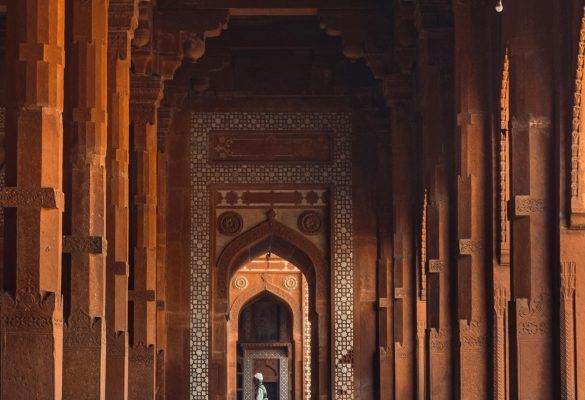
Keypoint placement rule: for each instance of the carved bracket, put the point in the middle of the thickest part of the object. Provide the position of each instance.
(121, 268)
(141, 295)
(88, 244)
(525, 206)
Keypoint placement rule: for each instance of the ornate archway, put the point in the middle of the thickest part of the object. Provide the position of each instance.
(273, 236)
(249, 296)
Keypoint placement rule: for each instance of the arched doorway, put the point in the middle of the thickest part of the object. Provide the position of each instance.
(265, 344)
(273, 237)
(269, 320)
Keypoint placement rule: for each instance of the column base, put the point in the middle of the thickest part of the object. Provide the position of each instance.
(31, 345)
(141, 372)
(83, 357)
(116, 365)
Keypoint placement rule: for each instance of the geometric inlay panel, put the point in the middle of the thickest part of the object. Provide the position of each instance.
(336, 174)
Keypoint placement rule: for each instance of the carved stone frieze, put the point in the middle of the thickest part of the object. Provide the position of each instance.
(32, 198)
(526, 205)
(146, 92)
(437, 266)
(533, 317)
(83, 332)
(141, 353)
(122, 15)
(271, 198)
(440, 341)
(469, 247)
(31, 312)
(472, 335)
(270, 146)
(117, 343)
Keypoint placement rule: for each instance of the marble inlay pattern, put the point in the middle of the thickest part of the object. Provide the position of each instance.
(336, 174)
(251, 355)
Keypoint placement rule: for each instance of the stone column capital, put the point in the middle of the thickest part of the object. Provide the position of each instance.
(146, 92)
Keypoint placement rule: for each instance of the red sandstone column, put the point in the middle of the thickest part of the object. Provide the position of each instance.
(146, 93)
(122, 22)
(403, 262)
(365, 228)
(571, 161)
(527, 27)
(435, 21)
(86, 142)
(501, 263)
(164, 121)
(32, 315)
(385, 278)
(472, 104)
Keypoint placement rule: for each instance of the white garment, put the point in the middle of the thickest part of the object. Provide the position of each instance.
(260, 392)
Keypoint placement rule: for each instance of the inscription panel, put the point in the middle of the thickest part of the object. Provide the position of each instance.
(270, 146)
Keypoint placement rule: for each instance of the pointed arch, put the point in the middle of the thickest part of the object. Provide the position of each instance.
(273, 236)
(249, 295)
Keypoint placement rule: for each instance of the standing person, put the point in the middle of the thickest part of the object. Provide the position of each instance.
(261, 393)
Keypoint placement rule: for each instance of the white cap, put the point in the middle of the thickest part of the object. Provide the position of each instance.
(259, 376)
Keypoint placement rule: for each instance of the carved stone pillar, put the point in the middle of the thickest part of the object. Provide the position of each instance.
(121, 25)
(385, 284)
(404, 286)
(571, 154)
(32, 314)
(435, 74)
(501, 267)
(473, 153)
(567, 331)
(85, 147)
(146, 93)
(532, 196)
(164, 121)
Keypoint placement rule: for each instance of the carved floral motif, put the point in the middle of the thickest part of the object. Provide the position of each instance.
(290, 282)
(309, 222)
(240, 282)
(229, 223)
